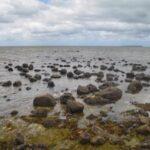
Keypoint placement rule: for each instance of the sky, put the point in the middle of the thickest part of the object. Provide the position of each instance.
(75, 22)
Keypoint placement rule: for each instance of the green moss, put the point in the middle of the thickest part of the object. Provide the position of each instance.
(50, 137)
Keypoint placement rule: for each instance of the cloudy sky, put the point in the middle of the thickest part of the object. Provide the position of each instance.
(75, 22)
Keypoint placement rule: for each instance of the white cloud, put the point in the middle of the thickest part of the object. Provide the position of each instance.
(74, 19)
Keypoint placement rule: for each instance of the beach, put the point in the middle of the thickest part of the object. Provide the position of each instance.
(88, 97)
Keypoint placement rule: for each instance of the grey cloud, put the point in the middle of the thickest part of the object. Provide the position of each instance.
(116, 19)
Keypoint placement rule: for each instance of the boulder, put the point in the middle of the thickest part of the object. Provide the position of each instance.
(81, 90)
(66, 97)
(92, 88)
(40, 112)
(111, 93)
(134, 87)
(45, 100)
(56, 76)
(17, 84)
(63, 71)
(70, 75)
(7, 83)
(96, 100)
(51, 84)
(74, 107)
(130, 75)
(37, 77)
(14, 113)
(85, 138)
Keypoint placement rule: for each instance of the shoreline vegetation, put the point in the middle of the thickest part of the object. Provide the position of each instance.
(44, 130)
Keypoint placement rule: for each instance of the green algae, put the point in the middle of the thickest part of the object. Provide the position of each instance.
(50, 137)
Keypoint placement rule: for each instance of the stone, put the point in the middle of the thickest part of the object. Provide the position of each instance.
(37, 77)
(51, 84)
(66, 97)
(14, 113)
(85, 138)
(19, 139)
(134, 87)
(7, 83)
(17, 84)
(97, 140)
(70, 75)
(81, 90)
(40, 112)
(74, 107)
(144, 129)
(45, 100)
(111, 93)
(63, 71)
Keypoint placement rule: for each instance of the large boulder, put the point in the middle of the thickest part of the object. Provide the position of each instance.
(96, 100)
(81, 90)
(111, 93)
(134, 87)
(74, 107)
(45, 100)
(66, 97)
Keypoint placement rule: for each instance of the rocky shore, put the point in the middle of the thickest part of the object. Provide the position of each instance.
(45, 129)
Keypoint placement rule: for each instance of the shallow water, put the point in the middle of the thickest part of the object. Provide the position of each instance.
(43, 56)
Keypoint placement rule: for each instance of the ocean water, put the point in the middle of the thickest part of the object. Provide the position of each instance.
(41, 57)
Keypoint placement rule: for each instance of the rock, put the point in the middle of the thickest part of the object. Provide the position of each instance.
(54, 69)
(81, 90)
(139, 76)
(100, 76)
(107, 84)
(134, 87)
(70, 75)
(103, 67)
(51, 84)
(74, 107)
(92, 88)
(138, 67)
(37, 77)
(28, 88)
(111, 93)
(130, 75)
(50, 122)
(145, 106)
(63, 71)
(40, 112)
(97, 140)
(46, 100)
(25, 65)
(14, 113)
(7, 83)
(66, 97)
(10, 69)
(144, 130)
(96, 100)
(30, 67)
(19, 140)
(77, 72)
(110, 77)
(56, 76)
(86, 75)
(91, 117)
(32, 79)
(85, 138)
(145, 145)
(17, 84)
